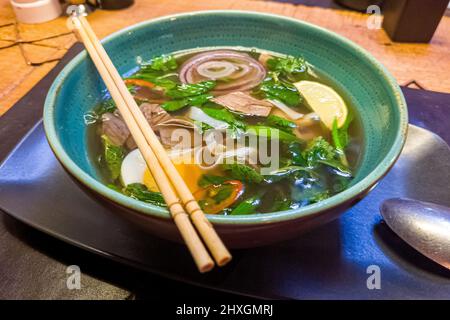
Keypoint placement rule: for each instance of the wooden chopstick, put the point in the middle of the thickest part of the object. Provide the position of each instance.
(198, 251)
(213, 242)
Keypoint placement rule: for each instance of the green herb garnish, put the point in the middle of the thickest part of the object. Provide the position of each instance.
(243, 172)
(208, 180)
(140, 192)
(189, 90)
(290, 68)
(270, 133)
(248, 206)
(113, 156)
(278, 90)
(281, 123)
(174, 105)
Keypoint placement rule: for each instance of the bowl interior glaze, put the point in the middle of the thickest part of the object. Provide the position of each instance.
(374, 93)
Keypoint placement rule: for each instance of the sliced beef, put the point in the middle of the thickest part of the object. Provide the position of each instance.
(115, 128)
(244, 103)
(154, 114)
(179, 132)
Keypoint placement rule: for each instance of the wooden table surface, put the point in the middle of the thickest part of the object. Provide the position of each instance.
(29, 52)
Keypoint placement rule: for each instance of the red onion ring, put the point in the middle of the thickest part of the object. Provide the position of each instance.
(251, 74)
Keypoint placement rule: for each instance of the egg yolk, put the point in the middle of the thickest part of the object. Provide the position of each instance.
(190, 173)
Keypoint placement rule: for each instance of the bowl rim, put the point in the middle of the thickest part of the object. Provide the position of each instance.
(258, 218)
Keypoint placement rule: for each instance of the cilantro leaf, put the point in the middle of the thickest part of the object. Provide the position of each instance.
(160, 63)
(140, 192)
(291, 68)
(318, 149)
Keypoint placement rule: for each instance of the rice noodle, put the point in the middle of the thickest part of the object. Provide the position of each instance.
(294, 115)
(197, 114)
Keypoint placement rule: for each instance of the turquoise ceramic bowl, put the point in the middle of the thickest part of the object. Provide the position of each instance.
(373, 91)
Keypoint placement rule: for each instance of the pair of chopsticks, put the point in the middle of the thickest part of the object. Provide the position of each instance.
(169, 181)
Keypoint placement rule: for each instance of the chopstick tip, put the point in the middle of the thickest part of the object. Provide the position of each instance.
(206, 267)
(223, 261)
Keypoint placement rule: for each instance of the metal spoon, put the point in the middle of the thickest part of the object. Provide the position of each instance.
(423, 225)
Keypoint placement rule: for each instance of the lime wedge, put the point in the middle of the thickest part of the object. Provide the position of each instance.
(324, 101)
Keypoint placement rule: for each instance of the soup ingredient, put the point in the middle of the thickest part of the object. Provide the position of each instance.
(215, 198)
(178, 132)
(294, 151)
(235, 125)
(324, 101)
(270, 133)
(154, 114)
(188, 94)
(288, 171)
(223, 65)
(208, 179)
(262, 57)
(190, 172)
(244, 103)
(291, 68)
(280, 123)
(139, 83)
(340, 137)
(294, 115)
(248, 206)
(114, 128)
(133, 168)
(174, 105)
(319, 151)
(222, 155)
(156, 71)
(161, 63)
(216, 69)
(106, 106)
(113, 156)
(281, 201)
(309, 127)
(92, 117)
(273, 88)
(198, 114)
(243, 172)
(190, 90)
(140, 192)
